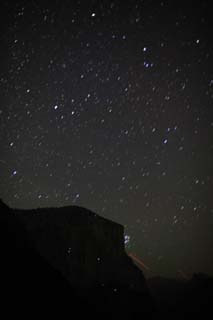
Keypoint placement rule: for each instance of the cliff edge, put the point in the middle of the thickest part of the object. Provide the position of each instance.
(73, 251)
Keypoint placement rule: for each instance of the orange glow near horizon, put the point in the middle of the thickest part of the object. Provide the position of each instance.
(139, 261)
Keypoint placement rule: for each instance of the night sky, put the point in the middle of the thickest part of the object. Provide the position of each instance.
(107, 105)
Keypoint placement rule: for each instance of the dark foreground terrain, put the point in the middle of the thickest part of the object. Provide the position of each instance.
(61, 261)
(183, 297)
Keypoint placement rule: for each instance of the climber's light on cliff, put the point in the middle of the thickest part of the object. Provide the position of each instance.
(139, 261)
(126, 239)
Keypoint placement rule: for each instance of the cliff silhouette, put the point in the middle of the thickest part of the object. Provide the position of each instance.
(86, 248)
(57, 260)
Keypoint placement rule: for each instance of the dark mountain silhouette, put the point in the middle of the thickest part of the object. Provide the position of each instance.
(59, 260)
(86, 248)
(29, 285)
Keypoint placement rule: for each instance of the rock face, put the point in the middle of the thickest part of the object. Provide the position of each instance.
(62, 259)
(87, 249)
(29, 284)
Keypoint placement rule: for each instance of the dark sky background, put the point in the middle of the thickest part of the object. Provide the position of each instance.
(108, 105)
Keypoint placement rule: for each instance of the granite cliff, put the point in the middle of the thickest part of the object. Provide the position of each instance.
(69, 255)
(85, 247)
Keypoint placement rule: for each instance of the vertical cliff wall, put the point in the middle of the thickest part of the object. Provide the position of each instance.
(86, 248)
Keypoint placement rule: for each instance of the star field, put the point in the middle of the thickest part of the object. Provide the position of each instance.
(108, 105)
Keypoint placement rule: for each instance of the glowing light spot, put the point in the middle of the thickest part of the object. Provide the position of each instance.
(126, 239)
